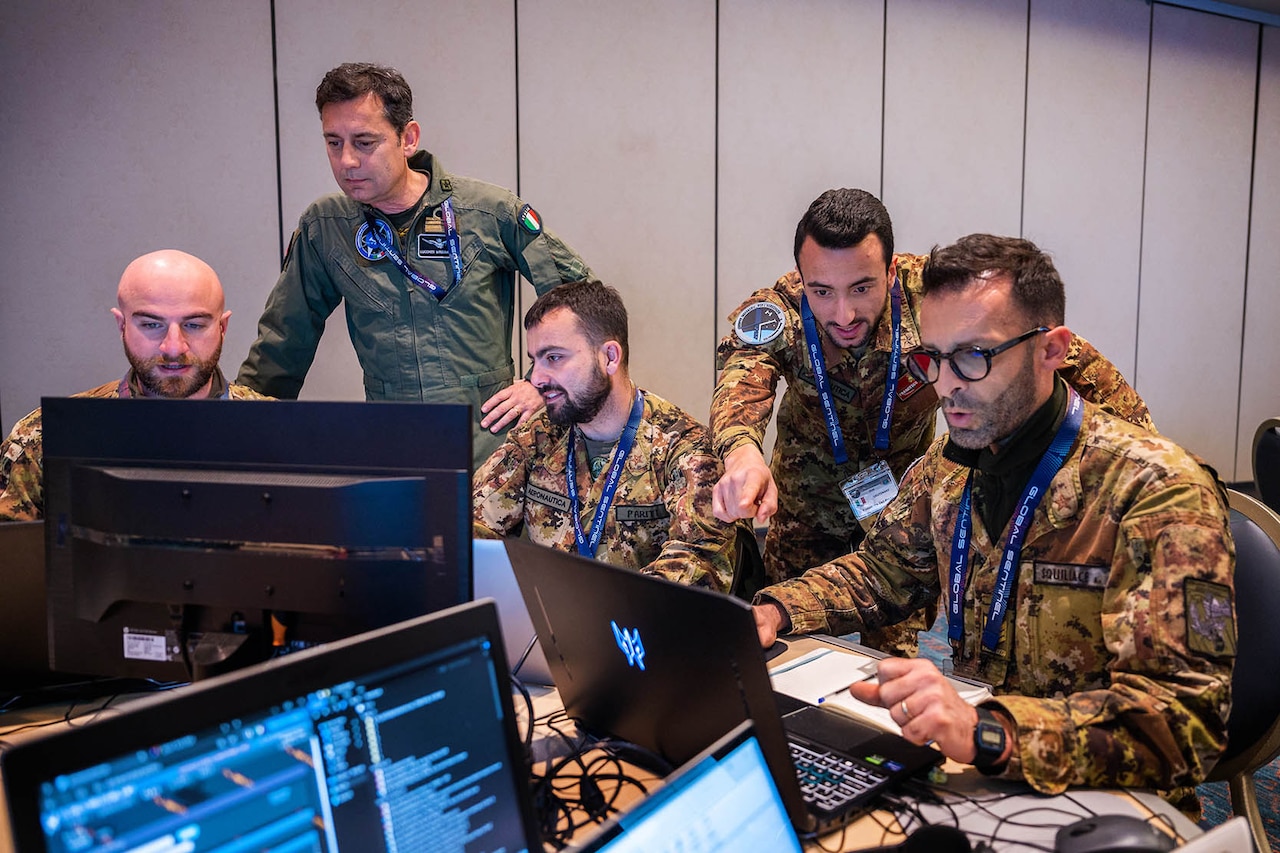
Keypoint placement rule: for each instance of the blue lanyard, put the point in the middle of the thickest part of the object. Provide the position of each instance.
(587, 546)
(818, 363)
(1049, 465)
(393, 252)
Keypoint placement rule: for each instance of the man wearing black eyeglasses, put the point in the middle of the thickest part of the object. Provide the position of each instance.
(851, 419)
(1084, 564)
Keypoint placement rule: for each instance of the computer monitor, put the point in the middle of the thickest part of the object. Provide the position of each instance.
(186, 538)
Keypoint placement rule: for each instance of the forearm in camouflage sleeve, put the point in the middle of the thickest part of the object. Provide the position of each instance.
(21, 472)
(700, 549)
(497, 493)
(742, 403)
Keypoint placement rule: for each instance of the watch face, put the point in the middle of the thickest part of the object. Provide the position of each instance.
(990, 736)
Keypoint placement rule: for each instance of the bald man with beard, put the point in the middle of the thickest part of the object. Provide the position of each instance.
(172, 318)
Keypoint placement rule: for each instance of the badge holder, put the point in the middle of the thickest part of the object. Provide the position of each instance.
(870, 491)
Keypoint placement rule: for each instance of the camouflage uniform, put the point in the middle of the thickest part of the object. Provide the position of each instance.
(411, 346)
(1115, 663)
(22, 455)
(814, 523)
(660, 521)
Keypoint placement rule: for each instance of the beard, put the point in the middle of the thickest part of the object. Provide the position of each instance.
(151, 375)
(997, 419)
(579, 408)
(858, 342)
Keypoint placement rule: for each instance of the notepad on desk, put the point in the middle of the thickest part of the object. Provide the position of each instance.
(822, 677)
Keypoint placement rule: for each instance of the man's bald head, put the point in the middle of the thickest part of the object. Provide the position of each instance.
(172, 318)
(174, 276)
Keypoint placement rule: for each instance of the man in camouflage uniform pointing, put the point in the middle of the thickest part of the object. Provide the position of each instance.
(1085, 565)
(818, 508)
(607, 470)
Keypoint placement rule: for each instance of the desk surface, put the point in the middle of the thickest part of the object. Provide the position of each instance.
(1007, 814)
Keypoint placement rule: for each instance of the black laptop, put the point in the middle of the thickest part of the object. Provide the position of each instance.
(401, 739)
(672, 668)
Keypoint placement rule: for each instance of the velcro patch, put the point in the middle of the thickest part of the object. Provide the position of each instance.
(433, 246)
(1211, 625)
(530, 219)
(1069, 574)
(842, 392)
(546, 498)
(652, 512)
(759, 323)
(908, 385)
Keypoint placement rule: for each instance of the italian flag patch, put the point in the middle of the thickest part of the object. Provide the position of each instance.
(530, 219)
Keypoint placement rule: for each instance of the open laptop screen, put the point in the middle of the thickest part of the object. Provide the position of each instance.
(412, 754)
(723, 801)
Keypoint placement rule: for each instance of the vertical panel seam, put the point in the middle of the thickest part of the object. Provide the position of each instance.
(1241, 441)
(715, 207)
(519, 291)
(884, 88)
(275, 101)
(1026, 102)
(1142, 205)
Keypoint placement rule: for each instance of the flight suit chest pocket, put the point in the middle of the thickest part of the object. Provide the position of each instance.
(367, 288)
(1064, 621)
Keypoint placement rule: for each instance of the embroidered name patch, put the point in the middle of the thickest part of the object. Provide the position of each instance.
(908, 385)
(546, 498)
(641, 513)
(759, 323)
(1211, 626)
(432, 242)
(1068, 574)
(839, 390)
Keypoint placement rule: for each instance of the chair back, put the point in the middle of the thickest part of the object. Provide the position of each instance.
(1266, 462)
(1253, 729)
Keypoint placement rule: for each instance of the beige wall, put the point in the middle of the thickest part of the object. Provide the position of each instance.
(675, 144)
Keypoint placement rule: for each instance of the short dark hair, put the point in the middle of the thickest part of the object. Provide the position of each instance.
(598, 307)
(838, 219)
(352, 80)
(1037, 287)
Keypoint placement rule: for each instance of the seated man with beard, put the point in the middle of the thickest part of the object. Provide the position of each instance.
(607, 470)
(172, 321)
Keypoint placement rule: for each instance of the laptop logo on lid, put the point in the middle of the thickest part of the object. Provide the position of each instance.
(630, 644)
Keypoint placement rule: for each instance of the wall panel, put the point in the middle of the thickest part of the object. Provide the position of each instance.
(1260, 367)
(129, 131)
(1086, 132)
(955, 79)
(617, 148)
(1195, 228)
(798, 118)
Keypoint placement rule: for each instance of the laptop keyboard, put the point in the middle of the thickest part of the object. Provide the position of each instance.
(830, 782)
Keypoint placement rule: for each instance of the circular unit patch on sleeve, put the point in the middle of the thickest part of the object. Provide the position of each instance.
(759, 323)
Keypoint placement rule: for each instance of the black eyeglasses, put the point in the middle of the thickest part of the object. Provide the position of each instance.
(969, 363)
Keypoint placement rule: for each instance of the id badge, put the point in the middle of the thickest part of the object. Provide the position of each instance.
(870, 490)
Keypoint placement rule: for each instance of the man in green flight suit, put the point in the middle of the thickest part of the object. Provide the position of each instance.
(424, 261)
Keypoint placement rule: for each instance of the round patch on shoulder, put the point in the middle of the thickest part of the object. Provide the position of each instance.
(367, 246)
(759, 323)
